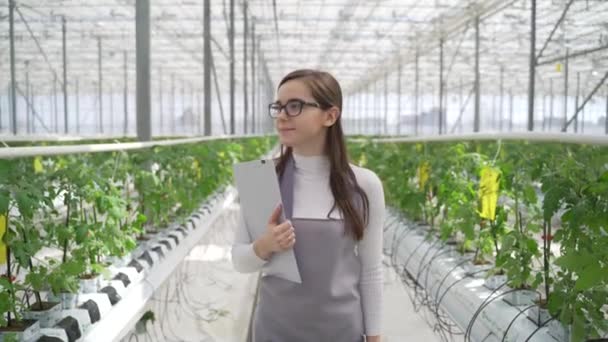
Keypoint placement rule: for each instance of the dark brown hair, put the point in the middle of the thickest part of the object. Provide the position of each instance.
(326, 91)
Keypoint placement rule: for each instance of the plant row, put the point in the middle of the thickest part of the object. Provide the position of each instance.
(508, 204)
(93, 208)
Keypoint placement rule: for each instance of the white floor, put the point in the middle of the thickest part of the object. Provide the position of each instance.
(206, 300)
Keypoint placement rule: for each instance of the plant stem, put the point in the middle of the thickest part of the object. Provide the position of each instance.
(547, 250)
(494, 236)
(31, 265)
(8, 273)
(65, 243)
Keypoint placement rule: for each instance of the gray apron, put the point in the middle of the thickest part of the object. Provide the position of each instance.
(326, 306)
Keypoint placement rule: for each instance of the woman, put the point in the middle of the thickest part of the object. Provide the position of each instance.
(335, 214)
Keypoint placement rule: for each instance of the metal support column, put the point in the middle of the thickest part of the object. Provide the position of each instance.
(142, 43)
(399, 99)
(606, 117)
(183, 107)
(253, 87)
(27, 97)
(366, 113)
(33, 106)
(476, 121)
(441, 114)
(551, 104)
(566, 75)
(125, 127)
(198, 112)
(385, 104)
(13, 96)
(172, 104)
(578, 94)
(65, 74)
(232, 63)
(532, 69)
(161, 102)
(99, 86)
(55, 105)
(111, 130)
(77, 86)
(245, 32)
(416, 91)
(502, 91)
(510, 110)
(460, 106)
(207, 64)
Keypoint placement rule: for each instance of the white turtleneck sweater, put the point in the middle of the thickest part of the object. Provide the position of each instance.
(313, 199)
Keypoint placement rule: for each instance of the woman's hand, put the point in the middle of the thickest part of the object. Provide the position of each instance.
(373, 338)
(278, 237)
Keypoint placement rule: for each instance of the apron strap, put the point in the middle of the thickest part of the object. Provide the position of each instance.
(286, 185)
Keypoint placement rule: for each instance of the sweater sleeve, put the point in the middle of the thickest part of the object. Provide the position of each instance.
(243, 256)
(370, 254)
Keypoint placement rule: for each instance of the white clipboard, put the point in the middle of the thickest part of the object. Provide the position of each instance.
(259, 192)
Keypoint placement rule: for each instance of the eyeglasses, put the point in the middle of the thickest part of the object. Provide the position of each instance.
(292, 107)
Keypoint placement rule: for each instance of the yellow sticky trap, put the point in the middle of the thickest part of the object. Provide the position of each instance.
(424, 171)
(2, 244)
(419, 147)
(197, 168)
(362, 160)
(488, 192)
(38, 168)
(558, 67)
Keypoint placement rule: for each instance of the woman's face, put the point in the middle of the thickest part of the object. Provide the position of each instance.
(305, 132)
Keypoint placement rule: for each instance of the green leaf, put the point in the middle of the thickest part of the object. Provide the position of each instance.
(590, 277)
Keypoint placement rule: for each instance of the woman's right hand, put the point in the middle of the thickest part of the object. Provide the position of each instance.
(279, 237)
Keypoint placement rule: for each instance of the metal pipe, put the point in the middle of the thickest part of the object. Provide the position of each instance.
(597, 140)
(232, 62)
(32, 151)
(207, 64)
(532, 69)
(65, 74)
(245, 31)
(606, 117)
(11, 16)
(100, 85)
(143, 87)
(476, 121)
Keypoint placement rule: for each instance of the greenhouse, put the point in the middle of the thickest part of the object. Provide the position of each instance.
(441, 168)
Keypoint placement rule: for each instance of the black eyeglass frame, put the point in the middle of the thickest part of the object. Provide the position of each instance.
(277, 105)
